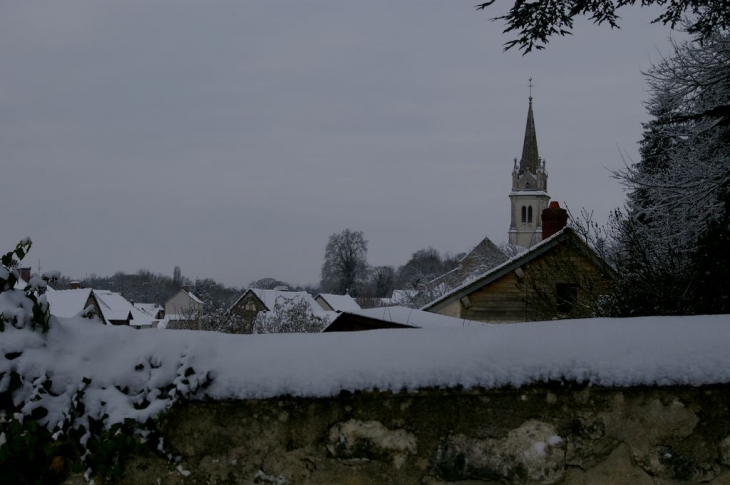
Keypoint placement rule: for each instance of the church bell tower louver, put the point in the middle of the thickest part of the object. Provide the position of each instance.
(529, 195)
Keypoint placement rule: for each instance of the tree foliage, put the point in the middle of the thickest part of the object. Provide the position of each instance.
(535, 21)
(268, 283)
(345, 262)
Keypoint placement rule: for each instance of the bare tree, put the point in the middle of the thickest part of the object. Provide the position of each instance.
(268, 283)
(382, 281)
(345, 262)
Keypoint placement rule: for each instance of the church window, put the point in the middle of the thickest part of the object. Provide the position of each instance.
(529, 214)
(524, 214)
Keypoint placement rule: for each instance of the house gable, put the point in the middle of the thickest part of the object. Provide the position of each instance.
(526, 288)
(248, 306)
(182, 303)
(337, 303)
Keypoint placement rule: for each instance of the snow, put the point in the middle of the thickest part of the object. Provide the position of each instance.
(68, 303)
(115, 307)
(53, 274)
(339, 303)
(150, 309)
(603, 352)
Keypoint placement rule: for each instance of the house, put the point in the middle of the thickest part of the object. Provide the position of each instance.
(255, 301)
(393, 317)
(183, 305)
(117, 310)
(559, 277)
(71, 303)
(483, 257)
(336, 303)
(155, 311)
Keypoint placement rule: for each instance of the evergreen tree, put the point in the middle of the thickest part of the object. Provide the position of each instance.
(673, 238)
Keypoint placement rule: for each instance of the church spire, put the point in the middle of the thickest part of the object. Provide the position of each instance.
(530, 159)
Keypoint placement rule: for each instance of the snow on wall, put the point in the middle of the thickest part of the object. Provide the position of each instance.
(602, 352)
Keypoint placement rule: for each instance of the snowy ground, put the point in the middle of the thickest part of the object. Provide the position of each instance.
(147, 367)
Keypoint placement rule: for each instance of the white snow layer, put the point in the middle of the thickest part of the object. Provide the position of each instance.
(607, 352)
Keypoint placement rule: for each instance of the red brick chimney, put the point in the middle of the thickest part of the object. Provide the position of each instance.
(24, 273)
(554, 219)
(74, 285)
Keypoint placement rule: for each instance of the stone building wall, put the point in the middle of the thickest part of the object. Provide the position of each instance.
(547, 435)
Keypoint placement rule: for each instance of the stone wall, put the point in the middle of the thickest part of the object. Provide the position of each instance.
(549, 434)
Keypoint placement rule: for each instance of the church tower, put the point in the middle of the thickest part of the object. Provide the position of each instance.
(529, 189)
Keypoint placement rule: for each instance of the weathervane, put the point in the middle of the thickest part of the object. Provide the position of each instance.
(530, 86)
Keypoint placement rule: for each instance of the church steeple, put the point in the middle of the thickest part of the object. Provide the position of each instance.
(529, 189)
(530, 159)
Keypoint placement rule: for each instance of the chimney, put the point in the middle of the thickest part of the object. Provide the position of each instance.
(25, 273)
(554, 219)
(74, 285)
(186, 288)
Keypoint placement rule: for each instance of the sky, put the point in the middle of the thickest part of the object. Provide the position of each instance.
(232, 138)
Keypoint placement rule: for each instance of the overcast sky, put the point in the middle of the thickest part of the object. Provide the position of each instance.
(232, 138)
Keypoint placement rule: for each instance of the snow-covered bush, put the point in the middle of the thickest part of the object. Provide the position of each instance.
(25, 307)
(289, 315)
(57, 414)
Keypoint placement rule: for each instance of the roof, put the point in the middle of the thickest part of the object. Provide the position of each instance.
(409, 318)
(339, 303)
(68, 303)
(512, 264)
(530, 159)
(150, 309)
(188, 293)
(193, 297)
(115, 307)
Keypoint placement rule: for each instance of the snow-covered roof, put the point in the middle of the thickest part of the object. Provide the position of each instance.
(193, 297)
(68, 303)
(400, 297)
(339, 303)
(115, 307)
(414, 318)
(150, 309)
